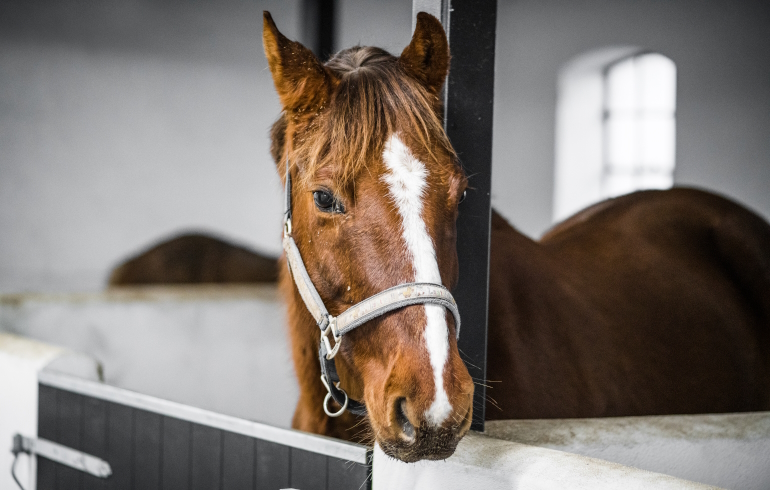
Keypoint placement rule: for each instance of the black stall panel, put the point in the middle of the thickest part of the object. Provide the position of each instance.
(153, 444)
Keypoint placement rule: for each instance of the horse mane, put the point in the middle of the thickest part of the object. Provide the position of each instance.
(373, 97)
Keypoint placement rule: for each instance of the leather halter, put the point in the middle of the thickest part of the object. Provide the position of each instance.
(407, 294)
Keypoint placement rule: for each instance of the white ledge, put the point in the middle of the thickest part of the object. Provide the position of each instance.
(482, 462)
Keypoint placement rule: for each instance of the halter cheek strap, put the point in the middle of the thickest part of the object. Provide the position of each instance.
(381, 303)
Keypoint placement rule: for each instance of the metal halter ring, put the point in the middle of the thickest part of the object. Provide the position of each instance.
(331, 328)
(328, 397)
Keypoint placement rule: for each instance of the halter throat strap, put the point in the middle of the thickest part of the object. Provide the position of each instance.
(381, 303)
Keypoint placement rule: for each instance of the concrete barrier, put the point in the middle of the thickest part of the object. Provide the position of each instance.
(726, 450)
(221, 348)
(485, 463)
(21, 360)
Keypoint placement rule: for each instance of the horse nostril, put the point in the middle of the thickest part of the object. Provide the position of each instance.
(407, 428)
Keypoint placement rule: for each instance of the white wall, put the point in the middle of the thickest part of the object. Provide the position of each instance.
(722, 55)
(123, 122)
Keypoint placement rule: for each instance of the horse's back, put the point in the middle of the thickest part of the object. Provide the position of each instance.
(655, 302)
(702, 229)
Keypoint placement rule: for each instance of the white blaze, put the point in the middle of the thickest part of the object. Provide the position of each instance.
(407, 182)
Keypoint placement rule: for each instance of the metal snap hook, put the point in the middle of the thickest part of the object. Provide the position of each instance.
(329, 396)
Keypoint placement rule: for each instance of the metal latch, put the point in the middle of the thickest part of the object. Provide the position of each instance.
(61, 454)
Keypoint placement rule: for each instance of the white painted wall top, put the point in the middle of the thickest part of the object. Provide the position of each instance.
(725, 450)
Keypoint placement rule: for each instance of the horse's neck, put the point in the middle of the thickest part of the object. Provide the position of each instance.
(525, 277)
(516, 247)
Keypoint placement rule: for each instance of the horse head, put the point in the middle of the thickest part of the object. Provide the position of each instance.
(375, 192)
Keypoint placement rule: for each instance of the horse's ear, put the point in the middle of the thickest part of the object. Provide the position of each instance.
(427, 56)
(302, 82)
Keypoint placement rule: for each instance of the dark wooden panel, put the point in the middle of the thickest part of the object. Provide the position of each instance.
(346, 475)
(468, 121)
(308, 470)
(95, 437)
(70, 425)
(238, 462)
(147, 437)
(120, 446)
(46, 429)
(206, 457)
(273, 465)
(177, 444)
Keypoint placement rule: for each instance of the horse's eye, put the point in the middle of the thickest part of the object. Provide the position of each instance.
(325, 201)
(462, 197)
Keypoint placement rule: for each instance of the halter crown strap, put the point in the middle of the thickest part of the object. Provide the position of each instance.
(381, 303)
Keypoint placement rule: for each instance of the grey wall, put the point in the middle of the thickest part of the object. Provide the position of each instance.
(387, 24)
(121, 122)
(722, 52)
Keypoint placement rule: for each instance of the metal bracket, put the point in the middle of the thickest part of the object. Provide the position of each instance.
(331, 328)
(62, 454)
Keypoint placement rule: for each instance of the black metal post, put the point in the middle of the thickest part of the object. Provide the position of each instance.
(468, 97)
(318, 27)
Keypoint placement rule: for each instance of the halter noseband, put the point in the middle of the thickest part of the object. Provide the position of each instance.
(407, 294)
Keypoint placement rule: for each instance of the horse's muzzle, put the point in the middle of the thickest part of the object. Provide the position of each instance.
(412, 442)
(434, 443)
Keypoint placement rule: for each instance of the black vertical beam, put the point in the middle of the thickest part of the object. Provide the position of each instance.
(468, 121)
(319, 27)
(468, 104)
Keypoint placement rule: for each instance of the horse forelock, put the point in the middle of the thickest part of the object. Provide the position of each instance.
(373, 98)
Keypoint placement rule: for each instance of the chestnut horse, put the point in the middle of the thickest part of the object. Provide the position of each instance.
(652, 303)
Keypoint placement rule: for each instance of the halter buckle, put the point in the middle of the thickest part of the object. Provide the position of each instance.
(331, 328)
(287, 227)
(329, 396)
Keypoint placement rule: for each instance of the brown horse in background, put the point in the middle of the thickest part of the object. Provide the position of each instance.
(195, 258)
(652, 303)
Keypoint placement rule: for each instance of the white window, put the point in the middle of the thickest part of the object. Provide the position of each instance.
(615, 127)
(639, 129)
